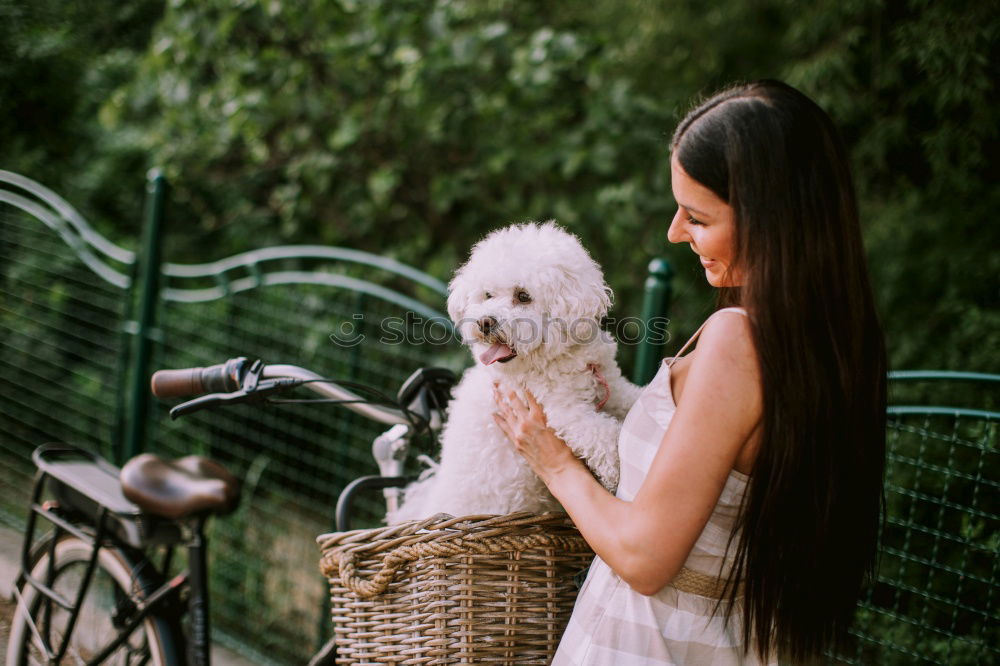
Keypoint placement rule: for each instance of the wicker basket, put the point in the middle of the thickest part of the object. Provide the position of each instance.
(474, 589)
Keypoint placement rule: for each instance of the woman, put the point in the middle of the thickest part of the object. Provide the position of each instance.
(747, 516)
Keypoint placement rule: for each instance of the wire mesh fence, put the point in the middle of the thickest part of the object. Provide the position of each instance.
(67, 321)
(62, 351)
(935, 597)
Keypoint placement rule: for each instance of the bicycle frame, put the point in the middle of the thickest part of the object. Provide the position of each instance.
(71, 519)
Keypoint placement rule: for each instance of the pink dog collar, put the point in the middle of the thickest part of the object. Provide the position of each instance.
(593, 367)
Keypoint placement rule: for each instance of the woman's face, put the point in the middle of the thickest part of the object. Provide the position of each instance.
(706, 222)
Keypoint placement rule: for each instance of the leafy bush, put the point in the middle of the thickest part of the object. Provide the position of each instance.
(411, 128)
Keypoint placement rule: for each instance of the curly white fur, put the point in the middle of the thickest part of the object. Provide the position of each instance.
(529, 303)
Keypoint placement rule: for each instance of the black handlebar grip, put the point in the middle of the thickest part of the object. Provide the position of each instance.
(219, 378)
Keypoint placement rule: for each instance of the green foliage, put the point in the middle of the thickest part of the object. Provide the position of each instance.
(412, 128)
(404, 128)
(62, 60)
(913, 87)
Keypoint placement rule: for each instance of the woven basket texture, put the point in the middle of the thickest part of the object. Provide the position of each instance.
(447, 590)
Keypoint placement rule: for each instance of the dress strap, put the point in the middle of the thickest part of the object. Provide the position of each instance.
(698, 332)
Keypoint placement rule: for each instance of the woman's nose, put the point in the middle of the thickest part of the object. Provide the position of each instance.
(675, 233)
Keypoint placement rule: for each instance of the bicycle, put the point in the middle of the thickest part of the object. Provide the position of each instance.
(91, 591)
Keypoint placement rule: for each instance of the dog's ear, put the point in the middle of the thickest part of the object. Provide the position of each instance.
(601, 301)
(582, 298)
(459, 294)
(594, 297)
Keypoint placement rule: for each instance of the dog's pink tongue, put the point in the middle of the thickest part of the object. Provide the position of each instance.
(495, 353)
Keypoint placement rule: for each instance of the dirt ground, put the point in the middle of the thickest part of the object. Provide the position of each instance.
(6, 613)
(10, 553)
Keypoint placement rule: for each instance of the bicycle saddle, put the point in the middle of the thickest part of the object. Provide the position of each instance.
(180, 488)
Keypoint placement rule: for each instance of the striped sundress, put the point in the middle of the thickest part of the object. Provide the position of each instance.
(614, 625)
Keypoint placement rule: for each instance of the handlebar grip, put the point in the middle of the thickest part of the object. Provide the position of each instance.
(175, 383)
(219, 378)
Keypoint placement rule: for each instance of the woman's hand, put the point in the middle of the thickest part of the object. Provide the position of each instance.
(526, 427)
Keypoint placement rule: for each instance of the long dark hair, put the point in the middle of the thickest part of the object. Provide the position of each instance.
(809, 525)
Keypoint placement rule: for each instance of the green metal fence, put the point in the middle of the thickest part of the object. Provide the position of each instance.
(78, 340)
(83, 323)
(935, 598)
(63, 309)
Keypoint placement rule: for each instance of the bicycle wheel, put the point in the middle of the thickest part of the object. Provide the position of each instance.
(116, 583)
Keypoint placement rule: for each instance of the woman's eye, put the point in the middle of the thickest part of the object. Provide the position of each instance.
(692, 220)
(523, 297)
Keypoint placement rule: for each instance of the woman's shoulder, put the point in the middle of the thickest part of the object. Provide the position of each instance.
(724, 358)
(726, 348)
(728, 326)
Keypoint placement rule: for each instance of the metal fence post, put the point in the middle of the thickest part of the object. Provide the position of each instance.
(149, 288)
(655, 305)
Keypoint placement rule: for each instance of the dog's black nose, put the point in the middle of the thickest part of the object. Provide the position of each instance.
(487, 324)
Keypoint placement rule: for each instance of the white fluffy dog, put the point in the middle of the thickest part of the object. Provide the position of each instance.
(529, 304)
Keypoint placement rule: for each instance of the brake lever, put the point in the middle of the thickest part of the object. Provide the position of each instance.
(253, 391)
(203, 401)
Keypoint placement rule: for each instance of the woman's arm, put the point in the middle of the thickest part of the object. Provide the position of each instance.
(647, 540)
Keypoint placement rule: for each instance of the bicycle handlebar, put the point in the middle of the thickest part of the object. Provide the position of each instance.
(187, 382)
(224, 382)
(332, 390)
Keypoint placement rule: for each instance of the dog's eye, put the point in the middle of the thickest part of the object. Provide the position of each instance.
(523, 297)
(488, 295)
